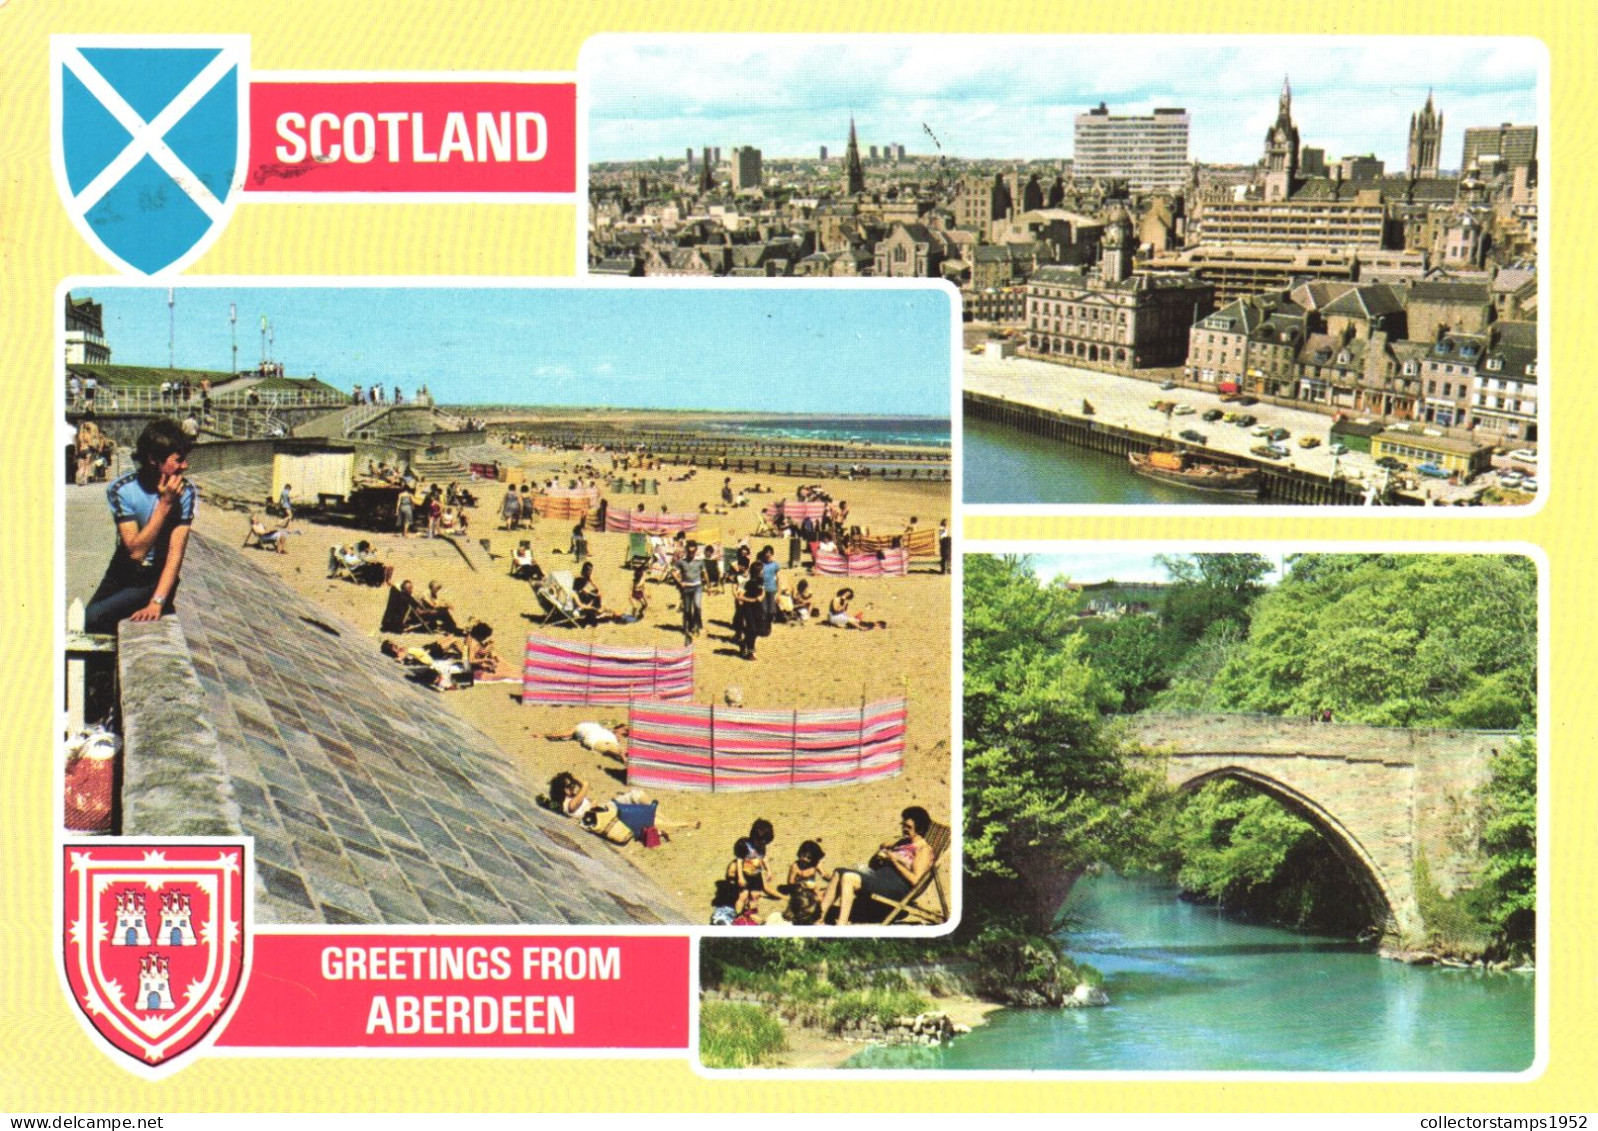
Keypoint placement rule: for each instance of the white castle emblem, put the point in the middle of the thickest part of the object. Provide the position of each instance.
(176, 928)
(155, 983)
(131, 929)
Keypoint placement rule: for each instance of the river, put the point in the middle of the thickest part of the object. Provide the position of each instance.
(1194, 990)
(1005, 465)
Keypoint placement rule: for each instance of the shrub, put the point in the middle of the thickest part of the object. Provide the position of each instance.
(885, 1006)
(734, 1035)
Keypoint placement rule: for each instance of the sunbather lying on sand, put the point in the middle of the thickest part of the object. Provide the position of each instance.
(568, 795)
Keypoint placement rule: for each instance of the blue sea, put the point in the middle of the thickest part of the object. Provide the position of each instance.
(921, 431)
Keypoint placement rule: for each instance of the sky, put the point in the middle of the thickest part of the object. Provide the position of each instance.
(1018, 97)
(1114, 565)
(826, 350)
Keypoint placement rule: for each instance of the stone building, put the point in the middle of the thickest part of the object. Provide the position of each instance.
(1248, 345)
(1108, 317)
(911, 251)
(1425, 141)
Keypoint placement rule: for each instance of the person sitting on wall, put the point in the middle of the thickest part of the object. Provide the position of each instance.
(153, 509)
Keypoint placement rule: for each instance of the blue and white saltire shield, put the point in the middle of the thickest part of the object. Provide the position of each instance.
(151, 138)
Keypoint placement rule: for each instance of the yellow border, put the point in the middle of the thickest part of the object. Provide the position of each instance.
(50, 1065)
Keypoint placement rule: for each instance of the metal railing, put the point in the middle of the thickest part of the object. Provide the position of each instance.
(138, 399)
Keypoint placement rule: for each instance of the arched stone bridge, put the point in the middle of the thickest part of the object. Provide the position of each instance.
(1383, 797)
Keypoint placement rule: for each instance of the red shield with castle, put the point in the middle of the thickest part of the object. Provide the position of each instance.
(155, 941)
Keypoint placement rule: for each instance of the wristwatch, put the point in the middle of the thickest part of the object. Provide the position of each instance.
(157, 600)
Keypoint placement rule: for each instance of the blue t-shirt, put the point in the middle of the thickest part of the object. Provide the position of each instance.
(768, 576)
(130, 502)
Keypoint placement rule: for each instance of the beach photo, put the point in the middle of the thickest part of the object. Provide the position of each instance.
(1245, 809)
(495, 603)
(1194, 270)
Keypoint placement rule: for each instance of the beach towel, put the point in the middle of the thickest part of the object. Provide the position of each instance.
(687, 746)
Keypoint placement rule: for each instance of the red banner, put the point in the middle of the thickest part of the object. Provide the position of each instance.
(455, 991)
(388, 137)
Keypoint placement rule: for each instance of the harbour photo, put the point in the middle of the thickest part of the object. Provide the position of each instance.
(1193, 270)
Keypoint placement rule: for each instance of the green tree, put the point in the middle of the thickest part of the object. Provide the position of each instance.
(1510, 840)
(1207, 589)
(1046, 790)
(1393, 640)
(1246, 851)
(1131, 655)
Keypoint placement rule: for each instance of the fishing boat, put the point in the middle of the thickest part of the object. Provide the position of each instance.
(1184, 469)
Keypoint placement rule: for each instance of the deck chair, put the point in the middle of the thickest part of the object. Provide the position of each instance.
(556, 599)
(637, 549)
(437, 620)
(262, 537)
(659, 564)
(764, 528)
(521, 571)
(337, 568)
(402, 614)
(909, 908)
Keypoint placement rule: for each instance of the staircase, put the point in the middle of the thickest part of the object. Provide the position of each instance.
(446, 470)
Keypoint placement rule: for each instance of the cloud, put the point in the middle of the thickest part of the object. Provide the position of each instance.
(1003, 96)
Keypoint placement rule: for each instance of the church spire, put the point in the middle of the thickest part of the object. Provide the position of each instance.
(855, 173)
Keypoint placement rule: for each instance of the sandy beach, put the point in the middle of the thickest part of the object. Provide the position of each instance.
(798, 666)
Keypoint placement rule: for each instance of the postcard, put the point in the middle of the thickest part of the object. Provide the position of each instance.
(578, 561)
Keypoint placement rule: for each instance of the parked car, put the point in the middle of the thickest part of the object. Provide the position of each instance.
(1168, 385)
(1337, 449)
(1183, 410)
(1511, 480)
(1433, 471)
(1260, 430)
(1529, 484)
(1392, 463)
(1278, 434)
(1309, 441)
(1195, 436)
(1246, 420)
(1213, 415)
(1524, 455)
(1268, 451)
(1246, 401)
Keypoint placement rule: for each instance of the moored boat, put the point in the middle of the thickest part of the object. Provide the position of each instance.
(1187, 470)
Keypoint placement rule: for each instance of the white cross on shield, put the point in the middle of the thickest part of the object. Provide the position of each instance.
(151, 139)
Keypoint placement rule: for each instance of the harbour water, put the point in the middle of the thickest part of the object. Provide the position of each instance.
(1193, 990)
(1005, 465)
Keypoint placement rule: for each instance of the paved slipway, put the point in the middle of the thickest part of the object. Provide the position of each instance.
(376, 804)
